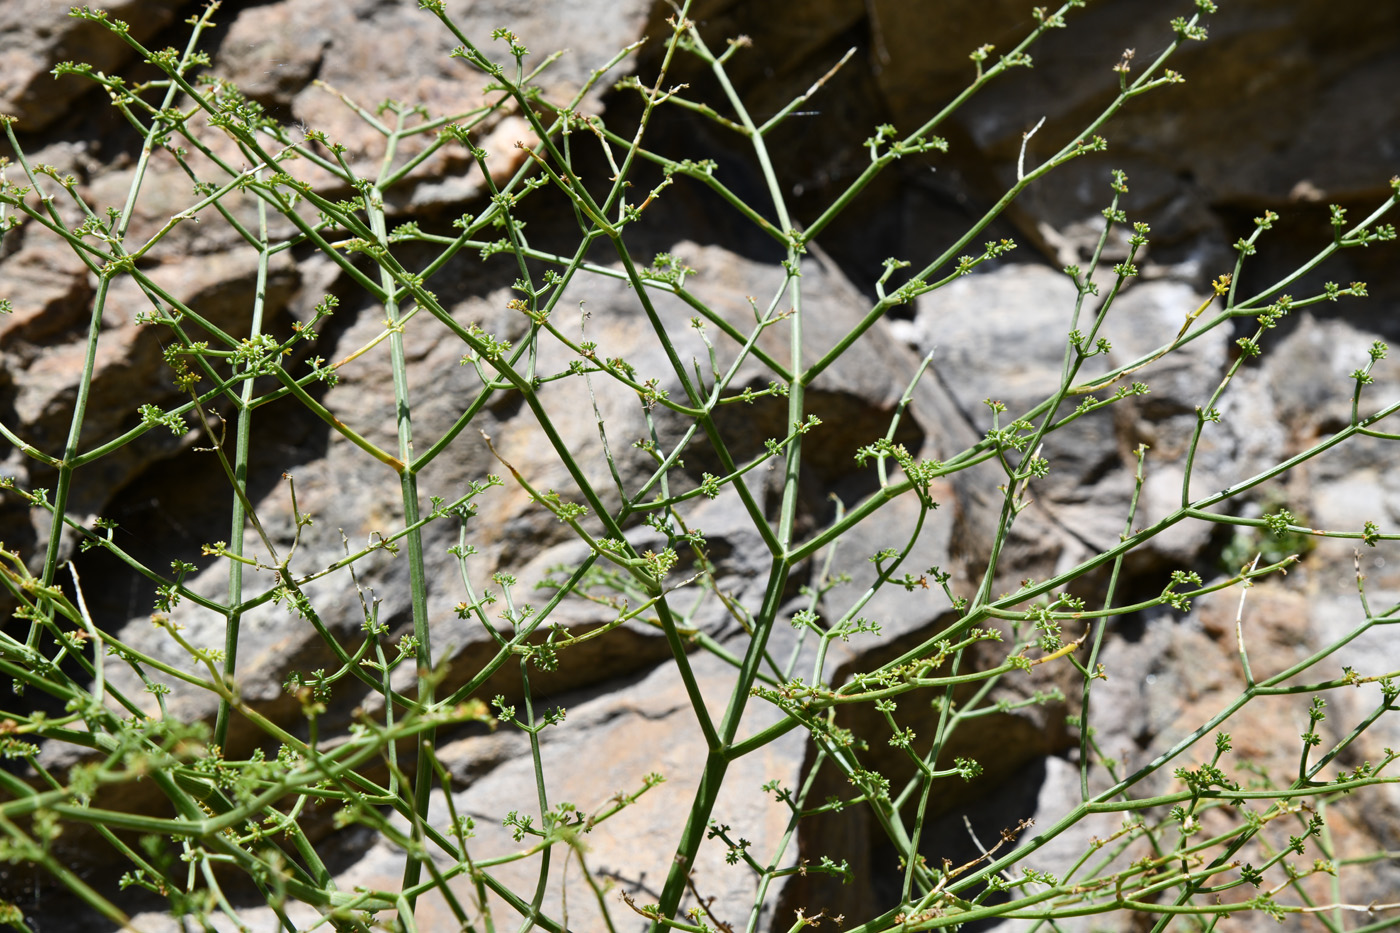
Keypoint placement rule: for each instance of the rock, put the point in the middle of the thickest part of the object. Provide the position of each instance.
(611, 741)
(1180, 144)
(35, 39)
(1001, 336)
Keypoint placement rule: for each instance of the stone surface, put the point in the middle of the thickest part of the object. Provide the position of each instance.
(34, 37)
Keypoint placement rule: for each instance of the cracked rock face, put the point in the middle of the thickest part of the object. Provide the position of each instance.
(1277, 112)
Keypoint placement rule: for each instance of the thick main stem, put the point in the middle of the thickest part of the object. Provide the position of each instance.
(243, 430)
(413, 541)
